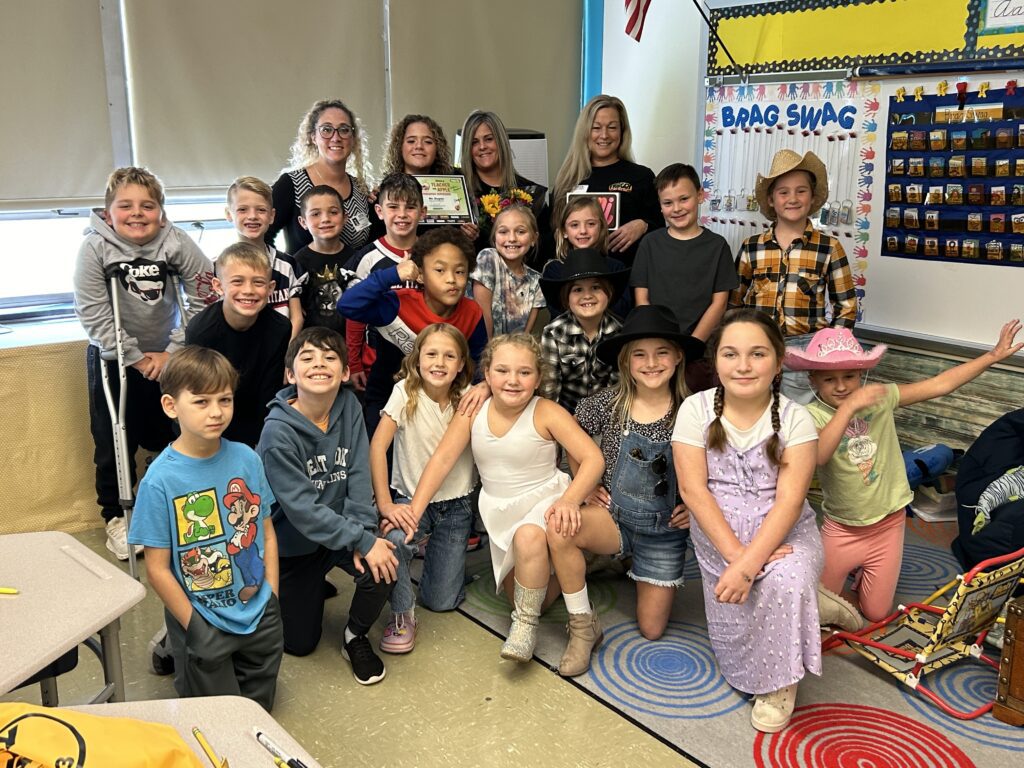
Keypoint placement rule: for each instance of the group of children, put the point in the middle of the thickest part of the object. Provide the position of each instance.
(238, 543)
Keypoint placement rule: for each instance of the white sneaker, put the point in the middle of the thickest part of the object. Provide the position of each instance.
(117, 539)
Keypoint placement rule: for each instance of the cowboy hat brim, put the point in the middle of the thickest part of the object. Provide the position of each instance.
(551, 287)
(608, 350)
(799, 360)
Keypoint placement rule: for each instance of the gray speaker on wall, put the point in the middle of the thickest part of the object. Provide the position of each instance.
(529, 153)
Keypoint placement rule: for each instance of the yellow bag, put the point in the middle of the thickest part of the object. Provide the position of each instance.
(49, 737)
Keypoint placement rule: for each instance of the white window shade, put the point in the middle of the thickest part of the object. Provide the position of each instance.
(217, 88)
(520, 60)
(54, 126)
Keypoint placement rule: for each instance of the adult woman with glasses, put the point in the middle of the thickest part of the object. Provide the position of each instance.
(329, 135)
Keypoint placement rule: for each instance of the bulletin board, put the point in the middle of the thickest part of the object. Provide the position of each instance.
(837, 120)
(963, 297)
(944, 294)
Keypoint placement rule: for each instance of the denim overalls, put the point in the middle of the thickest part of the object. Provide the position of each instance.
(643, 495)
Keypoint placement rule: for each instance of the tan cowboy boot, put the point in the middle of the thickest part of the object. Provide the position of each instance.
(585, 634)
(522, 635)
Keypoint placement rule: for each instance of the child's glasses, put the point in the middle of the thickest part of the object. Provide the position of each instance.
(327, 130)
(659, 465)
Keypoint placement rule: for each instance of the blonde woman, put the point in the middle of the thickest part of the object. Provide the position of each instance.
(600, 159)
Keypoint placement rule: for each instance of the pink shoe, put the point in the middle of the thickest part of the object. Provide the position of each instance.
(399, 634)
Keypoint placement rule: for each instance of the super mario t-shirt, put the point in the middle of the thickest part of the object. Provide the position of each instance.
(210, 514)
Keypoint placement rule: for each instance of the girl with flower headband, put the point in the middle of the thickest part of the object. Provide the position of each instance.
(507, 290)
(744, 456)
(486, 162)
(861, 468)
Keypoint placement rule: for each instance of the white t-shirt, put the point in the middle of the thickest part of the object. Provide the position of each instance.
(416, 441)
(698, 410)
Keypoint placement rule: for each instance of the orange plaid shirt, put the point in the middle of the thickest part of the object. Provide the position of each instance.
(796, 285)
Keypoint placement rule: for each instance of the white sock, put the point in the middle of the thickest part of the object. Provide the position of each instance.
(577, 602)
(349, 635)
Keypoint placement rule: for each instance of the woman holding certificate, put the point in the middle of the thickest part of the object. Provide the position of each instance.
(329, 135)
(486, 162)
(600, 159)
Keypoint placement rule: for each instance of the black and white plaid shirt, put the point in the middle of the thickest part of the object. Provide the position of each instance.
(573, 370)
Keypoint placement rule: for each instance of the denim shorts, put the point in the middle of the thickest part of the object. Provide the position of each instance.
(658, 551)
(643, 495)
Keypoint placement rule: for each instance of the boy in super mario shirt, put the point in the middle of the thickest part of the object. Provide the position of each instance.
(203, 515)
(441, 261)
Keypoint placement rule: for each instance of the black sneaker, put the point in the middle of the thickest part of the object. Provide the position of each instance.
(367, 668)
(160, 659)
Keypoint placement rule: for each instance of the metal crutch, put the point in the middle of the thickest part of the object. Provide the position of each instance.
(125, 491)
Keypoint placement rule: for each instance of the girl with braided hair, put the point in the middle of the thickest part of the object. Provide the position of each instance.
(744, 455)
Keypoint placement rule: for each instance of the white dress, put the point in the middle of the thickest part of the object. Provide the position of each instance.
(520, 481)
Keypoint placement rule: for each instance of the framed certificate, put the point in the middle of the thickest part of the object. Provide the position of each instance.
(446, 199)
(609, 202)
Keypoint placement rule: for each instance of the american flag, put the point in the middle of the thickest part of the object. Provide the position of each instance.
(636, 13)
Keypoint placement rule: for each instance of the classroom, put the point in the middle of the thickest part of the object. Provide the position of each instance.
(512, 385)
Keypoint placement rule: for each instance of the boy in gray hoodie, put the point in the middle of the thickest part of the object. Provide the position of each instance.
(316, 456)
(131, 239)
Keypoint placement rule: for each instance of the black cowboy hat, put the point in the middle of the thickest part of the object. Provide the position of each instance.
(649, 321)
(579, 265)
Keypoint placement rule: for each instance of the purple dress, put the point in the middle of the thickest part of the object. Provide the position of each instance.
(770, 640)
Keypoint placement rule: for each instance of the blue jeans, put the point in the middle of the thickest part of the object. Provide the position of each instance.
(795, 384)
(442, 586)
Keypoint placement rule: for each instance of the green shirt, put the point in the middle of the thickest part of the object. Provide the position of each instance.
(865, 480)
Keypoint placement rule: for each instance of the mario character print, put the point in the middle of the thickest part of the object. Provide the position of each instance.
(243, 511)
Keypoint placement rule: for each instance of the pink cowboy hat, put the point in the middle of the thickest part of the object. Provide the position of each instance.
(833, 349)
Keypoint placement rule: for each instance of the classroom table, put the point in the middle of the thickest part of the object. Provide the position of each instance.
(66, 593)
(225, 721)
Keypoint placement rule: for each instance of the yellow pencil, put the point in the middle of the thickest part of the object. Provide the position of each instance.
(8, 591)
(206, 747)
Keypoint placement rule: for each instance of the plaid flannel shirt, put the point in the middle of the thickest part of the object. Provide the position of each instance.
(574, 372)
(796, 285)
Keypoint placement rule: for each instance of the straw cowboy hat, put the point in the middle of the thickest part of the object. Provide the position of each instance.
(787, 160)
(833, 349)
